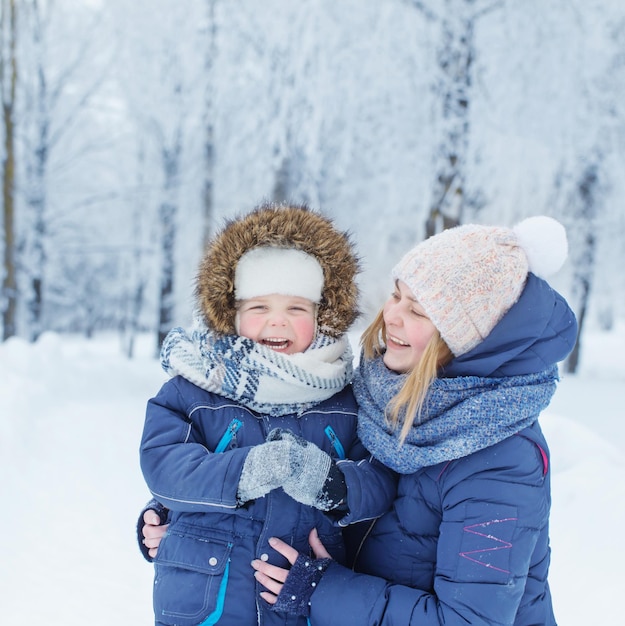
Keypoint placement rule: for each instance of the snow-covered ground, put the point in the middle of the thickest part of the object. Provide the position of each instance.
(71, 414)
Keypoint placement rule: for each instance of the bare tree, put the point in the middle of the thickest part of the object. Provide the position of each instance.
(46, 122)
(584, 210)
(8, 81)
(455, 56)
(137, 273)
(168, 216)
(170, 108)
(208, 121)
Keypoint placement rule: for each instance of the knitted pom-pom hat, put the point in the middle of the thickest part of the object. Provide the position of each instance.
(281, 248)
(468, 277)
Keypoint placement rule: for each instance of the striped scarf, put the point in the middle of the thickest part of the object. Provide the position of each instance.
(460, 415)
(255, 376)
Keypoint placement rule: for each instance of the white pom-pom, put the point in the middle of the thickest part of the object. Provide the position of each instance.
(544, 241)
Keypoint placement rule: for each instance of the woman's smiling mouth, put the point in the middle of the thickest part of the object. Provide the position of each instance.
(390, 339)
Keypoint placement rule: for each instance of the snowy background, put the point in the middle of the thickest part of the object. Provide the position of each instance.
(71, 415)
(138, 127)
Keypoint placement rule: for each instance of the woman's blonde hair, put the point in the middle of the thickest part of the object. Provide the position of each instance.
(407, 405)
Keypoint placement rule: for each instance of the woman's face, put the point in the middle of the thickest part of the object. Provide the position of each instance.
(408, 330)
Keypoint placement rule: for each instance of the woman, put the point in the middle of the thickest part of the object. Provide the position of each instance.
(455, 371)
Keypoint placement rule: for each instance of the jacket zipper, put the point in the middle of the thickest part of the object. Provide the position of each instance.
(215, 616)
(362, 543)
(229, 435)
(335, 441)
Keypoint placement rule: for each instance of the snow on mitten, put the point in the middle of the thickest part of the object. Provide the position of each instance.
(315, 480)
(266, 467)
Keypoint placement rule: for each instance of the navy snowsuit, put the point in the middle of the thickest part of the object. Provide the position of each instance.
(193, 449)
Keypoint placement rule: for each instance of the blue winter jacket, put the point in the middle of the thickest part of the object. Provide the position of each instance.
(466, 541)
(192, 452)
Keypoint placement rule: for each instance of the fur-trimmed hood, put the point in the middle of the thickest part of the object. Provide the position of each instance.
(284, 226)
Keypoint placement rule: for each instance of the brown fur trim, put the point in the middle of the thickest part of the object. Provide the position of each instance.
(287, 226)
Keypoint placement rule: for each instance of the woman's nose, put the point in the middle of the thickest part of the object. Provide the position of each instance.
(392, 313)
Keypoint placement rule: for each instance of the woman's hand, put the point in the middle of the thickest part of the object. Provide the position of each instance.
(153, 532)
(273, 577)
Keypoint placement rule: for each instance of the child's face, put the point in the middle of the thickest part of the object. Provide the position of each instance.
(408, 330)
(283, 323)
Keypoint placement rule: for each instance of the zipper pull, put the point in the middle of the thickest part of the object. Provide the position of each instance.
(228, 440)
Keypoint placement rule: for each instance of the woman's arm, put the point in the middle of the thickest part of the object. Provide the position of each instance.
(354, 595)
(281, 583)
(494, 515)
(151, 528)
(371, 489)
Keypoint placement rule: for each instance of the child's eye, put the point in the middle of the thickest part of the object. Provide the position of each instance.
(395, 295)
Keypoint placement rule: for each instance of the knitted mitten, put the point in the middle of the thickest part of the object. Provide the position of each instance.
(294, 597)
(266, 467)
(315, 479)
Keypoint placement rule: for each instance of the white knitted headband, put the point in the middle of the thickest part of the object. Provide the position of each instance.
(286, 271)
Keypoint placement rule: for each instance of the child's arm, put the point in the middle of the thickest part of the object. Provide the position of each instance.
(179, 470)
(184, 475)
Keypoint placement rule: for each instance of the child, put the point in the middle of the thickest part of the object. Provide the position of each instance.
(456, 369)
(250, 437)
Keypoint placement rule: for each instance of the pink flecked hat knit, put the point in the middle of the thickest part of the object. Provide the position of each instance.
(467, 278)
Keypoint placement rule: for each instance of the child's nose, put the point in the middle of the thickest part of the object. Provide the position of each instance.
(278, 319)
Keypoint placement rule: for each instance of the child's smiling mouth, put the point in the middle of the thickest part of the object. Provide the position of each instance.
(276, 343)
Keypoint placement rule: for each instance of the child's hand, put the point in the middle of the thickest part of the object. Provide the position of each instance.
(153, 531)
(315, 479)
(266, 467)
(306, 472)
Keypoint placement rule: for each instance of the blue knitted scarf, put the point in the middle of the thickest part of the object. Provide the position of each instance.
(460, 415)
(256, 376)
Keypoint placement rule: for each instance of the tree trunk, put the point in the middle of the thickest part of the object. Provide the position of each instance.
(168, 214)
(37, 205)
(454, 58)
(209, 129)
(588, 192)
(8, 81)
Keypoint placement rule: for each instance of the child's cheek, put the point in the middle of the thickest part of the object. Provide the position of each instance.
(305, 330)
